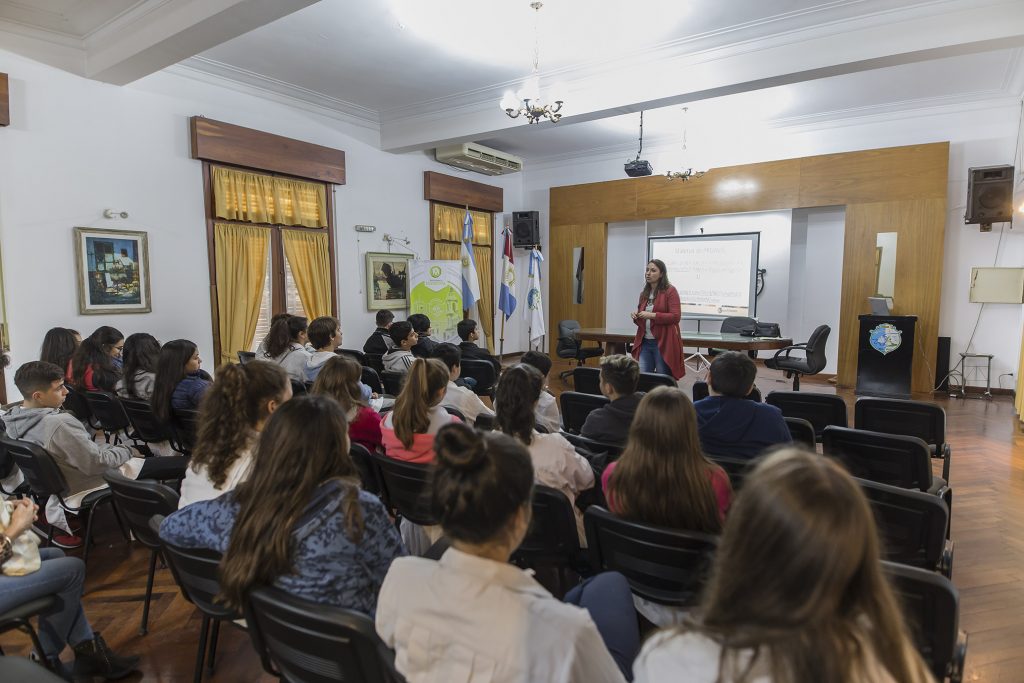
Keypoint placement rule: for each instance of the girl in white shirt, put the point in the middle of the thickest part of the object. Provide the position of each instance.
(797, 591)
(555, 462)
(235, 408)
(472, 617)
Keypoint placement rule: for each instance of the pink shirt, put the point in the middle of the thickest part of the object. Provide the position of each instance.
(719, 483)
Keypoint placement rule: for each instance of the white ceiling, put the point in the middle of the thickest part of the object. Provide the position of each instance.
(427, 72)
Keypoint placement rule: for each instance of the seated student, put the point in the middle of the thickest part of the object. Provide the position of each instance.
(82, 461)
(547, 407)
(261, 350)
(325, 337)
(473, 616)
(796, 592)
(468, 333)
(425, 346)
(286, 346)
(555, 462)
(380, 341)
(728, 422)
(407, 432)
(300, 521)
(96, 364)
(59, 346)
(619, 377)
(339, 379)
(460, 398)
(400, 358)
(64, 623)
(141, 351)
(180, 383)
(235, 410)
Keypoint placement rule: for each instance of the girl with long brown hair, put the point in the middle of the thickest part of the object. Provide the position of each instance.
(339, 378)
(658, 345)
(663, 477)
(235, 409)
(797, 591)
(300, 521)
(407, 432)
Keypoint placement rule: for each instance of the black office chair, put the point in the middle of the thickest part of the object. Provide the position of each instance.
(246, 356)
(393, 382)
(735, 325)
(197, 573)
(570, 347)
(184, 426)
(7, 467)
(369, 473)
(926, 421)
(552, 544)
(666, 566)
(802, 431)
(484, 422)
(483, 372)
(375, 361)
(20, 618)
(902, 461)
(701, 391)
(451, 410)
(358, 355)
(931, 607)
(24, 670)
(576, 406)
(821, 410)
(912, 526)
(589, 448)
(138, 501)
(586, 380)
(406, 488)
(76, 404)
(45, 479)
(145, 427)
(370, 378)
(736, 468)
(298, 388)
(651, 380)
(109, 414)
(306, 642)
(813, 361)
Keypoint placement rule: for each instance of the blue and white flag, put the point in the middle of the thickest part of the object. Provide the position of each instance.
(506, 294)
(470, 280)
(534, 310)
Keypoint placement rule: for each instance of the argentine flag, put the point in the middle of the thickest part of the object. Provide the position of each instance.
(506, 295)
(470, 281)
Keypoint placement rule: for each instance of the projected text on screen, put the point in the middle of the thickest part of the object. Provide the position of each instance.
(714, 274)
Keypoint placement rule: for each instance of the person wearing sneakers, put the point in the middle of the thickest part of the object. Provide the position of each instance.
(65, 623)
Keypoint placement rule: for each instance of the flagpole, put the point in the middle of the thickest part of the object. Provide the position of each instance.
(501, 342)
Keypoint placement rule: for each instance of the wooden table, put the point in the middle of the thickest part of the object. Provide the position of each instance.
(615, 340)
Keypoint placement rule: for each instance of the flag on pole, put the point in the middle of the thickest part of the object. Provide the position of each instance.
(470, 281)
(534, 310)
(506, 295)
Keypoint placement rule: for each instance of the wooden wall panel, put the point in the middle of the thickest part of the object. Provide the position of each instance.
(5, 101)
(561, 305)
(875, 175)
(438, 187)
(920, 226)
(607, 202)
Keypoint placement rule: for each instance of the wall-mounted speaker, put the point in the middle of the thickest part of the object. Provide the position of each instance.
(525, 229)
(989, 195)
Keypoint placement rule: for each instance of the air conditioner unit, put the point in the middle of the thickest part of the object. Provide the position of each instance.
(474, 157)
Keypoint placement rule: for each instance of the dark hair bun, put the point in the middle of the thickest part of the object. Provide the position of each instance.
(460, 448)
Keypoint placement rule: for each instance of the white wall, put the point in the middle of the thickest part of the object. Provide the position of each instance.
(627, 256)
(77, 147)
(815, 285)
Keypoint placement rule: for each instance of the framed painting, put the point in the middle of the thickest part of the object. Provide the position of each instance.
(387, 280)
(112, 268)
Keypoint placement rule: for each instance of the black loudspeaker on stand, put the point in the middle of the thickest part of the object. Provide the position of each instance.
(942, 364)
(525, 229)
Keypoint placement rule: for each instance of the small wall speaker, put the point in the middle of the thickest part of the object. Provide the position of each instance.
(989, 195)
(525, 229)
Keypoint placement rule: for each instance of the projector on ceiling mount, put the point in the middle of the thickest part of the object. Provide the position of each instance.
(638, 167)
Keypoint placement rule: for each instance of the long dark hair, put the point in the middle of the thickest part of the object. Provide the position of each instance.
(94, 352)
(339, 379)
(232, 407)
(663, 283)
(411, 416)
(283, 333)
(141, 351)
(516, 398)
(59, 345)
(170, 369)
(304, 444)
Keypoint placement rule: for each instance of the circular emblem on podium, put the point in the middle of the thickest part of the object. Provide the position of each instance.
(885, 338)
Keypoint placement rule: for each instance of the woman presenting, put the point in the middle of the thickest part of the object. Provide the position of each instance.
(658, 346)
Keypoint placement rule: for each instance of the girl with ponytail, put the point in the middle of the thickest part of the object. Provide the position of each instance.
(300, 521)
(407, 432)
(235, 408)
(512, 629)
(339, 379)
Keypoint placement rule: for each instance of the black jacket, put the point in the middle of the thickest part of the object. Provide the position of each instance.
(474, 352)
(424, 348)
(379, 342)
(610, 424)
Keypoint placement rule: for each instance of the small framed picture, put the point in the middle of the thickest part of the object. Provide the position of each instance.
(387, 280)
(113, 271)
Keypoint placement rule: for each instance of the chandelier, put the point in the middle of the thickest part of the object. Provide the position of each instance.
(688, 174)
(528, 101)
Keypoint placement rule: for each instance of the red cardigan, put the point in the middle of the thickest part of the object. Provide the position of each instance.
(664, 327)
(365, 429)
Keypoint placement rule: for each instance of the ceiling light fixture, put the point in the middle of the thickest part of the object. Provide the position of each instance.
(528, 101)
(689, 173)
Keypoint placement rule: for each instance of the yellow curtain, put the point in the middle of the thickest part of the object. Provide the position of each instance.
(447, 246)
(240, 253)
(260, 198)
(1019, 398)
(309, 255)
(448, 224)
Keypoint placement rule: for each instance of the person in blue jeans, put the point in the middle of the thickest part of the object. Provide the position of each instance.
(65, 622)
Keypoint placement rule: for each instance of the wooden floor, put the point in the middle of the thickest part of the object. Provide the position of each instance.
(987, 476)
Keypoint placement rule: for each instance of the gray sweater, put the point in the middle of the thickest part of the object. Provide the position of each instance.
(143, 386)
(81, 460)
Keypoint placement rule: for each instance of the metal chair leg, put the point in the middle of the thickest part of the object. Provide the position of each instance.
(149, 593)
(120, 521)
(213, 646)
(91, 512)
(204, 633)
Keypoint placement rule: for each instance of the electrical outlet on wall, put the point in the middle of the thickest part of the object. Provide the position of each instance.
(366, 228)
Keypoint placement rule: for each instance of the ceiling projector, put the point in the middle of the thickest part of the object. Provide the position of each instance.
(638, 167)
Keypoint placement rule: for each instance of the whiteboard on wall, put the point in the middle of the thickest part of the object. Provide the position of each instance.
(997, 285)
(716, 275)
